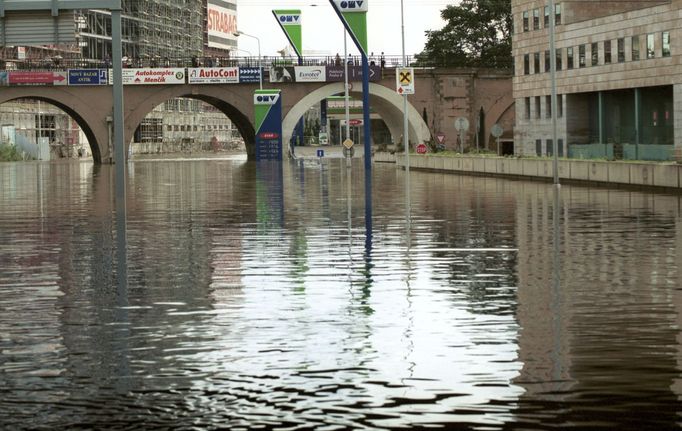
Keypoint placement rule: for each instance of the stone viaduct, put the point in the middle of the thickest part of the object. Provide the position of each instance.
(441, 96)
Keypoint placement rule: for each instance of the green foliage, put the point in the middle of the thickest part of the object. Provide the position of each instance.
(9, 153)
(477, 34)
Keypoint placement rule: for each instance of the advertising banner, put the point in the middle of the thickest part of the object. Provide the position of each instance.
(268, 114)
(249, 75)
(158, 76)
(335, 73)
(221, 24)
(36, 78)
(88, 77)
(291, 22)
(299, 74)
(353, 14)
(213, 75)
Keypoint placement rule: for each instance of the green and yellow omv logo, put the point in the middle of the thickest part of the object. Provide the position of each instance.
(352, 5)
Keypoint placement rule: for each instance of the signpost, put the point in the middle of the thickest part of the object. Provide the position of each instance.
(461, 125)
(497, 131)
(404, 78)
(88, 77)
(268, 110)
(440, 138)
(421, 148)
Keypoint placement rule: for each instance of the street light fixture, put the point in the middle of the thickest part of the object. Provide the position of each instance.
(260, 68)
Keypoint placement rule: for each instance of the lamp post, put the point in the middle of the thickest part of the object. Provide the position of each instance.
(260, 68)
(553, 101)
(406, 131)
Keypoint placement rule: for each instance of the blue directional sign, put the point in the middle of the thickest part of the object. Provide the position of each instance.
(249, 75)
(320, 153)
(88, 77)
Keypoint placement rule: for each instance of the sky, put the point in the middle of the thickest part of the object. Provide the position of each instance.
(323, 31)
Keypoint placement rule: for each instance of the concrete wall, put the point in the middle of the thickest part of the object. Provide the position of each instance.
(631, 174)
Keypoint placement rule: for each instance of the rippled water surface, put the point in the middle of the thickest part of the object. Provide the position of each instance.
(262, 298)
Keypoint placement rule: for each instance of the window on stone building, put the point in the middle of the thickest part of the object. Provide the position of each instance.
(560, 106)
(536, 62)
(536, 19)
(569, 57)
(547, 61)
(635, 48)
(666, 44)
(581, 56)
(558, 59)
(650, 46)
(538, 147)
(546, 20)
(560, 146)
(550, 147)
(526, 64)
(621, 50)
(525, 21)
(557, 14)
(595, 53)
(607, 51)
(548, 106)
(527, 106)
(537, 107)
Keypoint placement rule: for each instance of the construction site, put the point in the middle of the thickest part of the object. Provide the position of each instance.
(155, 33)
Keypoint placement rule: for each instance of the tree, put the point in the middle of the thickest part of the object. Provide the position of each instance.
(477, 34)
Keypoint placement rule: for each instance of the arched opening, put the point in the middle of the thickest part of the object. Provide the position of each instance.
(385, 102)
(219, 112)
(196, 125)
(41, 128)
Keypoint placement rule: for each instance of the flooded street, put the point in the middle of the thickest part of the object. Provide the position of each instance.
(257, 299)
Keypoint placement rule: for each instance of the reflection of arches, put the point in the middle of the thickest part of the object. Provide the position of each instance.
(82, 121)
(223, 98)
(385, 102)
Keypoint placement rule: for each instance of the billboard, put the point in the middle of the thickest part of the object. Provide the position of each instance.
(298, 74)
(290, 21)
(268, 110)
(221, 24)
(336, 73)
(158, 76)
(213, 75)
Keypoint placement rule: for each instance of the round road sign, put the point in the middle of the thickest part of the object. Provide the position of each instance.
(421, 148)
(461, 124)
(496, 130)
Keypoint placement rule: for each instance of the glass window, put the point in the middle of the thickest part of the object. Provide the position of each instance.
(558, 59)
(527, 100)
(547, 61)
(525, 21)
(537, 106)
(546, 21)
(538, 147)
(560, 144)
(557, 14)
(550, 147)
(569, 57)
(536, 19)
(526, 64)
(607, 51)
(666, 44)
(621, 50)
(650, 47)
(560, 106)
(581, 56)
(635, 48)
(595, 53)
(548, 104)
(536, 62)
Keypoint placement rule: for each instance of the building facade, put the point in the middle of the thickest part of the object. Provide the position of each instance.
(617, 78)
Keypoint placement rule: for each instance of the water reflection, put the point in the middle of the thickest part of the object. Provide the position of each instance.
(259, 298)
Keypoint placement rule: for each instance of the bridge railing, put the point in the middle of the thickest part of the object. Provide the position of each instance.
(62, 64)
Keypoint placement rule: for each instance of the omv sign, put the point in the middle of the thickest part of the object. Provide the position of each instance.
(352, 5)
(290, 19)
(266, 99)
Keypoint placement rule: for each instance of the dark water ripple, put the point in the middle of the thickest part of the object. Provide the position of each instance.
(256, 300)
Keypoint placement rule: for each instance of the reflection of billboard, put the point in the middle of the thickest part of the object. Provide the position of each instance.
(221, 24)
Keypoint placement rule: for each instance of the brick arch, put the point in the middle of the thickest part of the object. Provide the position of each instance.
(236, 102)
(496, 113)
(90, 117)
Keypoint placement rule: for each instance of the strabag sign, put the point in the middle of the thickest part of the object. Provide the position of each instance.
(159, 76)
(221, 24)
(213, 75)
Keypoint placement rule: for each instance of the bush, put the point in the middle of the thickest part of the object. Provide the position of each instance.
(10, 153)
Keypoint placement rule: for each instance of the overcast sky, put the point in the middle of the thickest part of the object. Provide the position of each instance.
(323, 31)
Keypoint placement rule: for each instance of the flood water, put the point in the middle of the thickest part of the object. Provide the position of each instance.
(257, 299)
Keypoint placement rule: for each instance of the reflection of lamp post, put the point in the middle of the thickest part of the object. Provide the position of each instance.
(260, 69)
